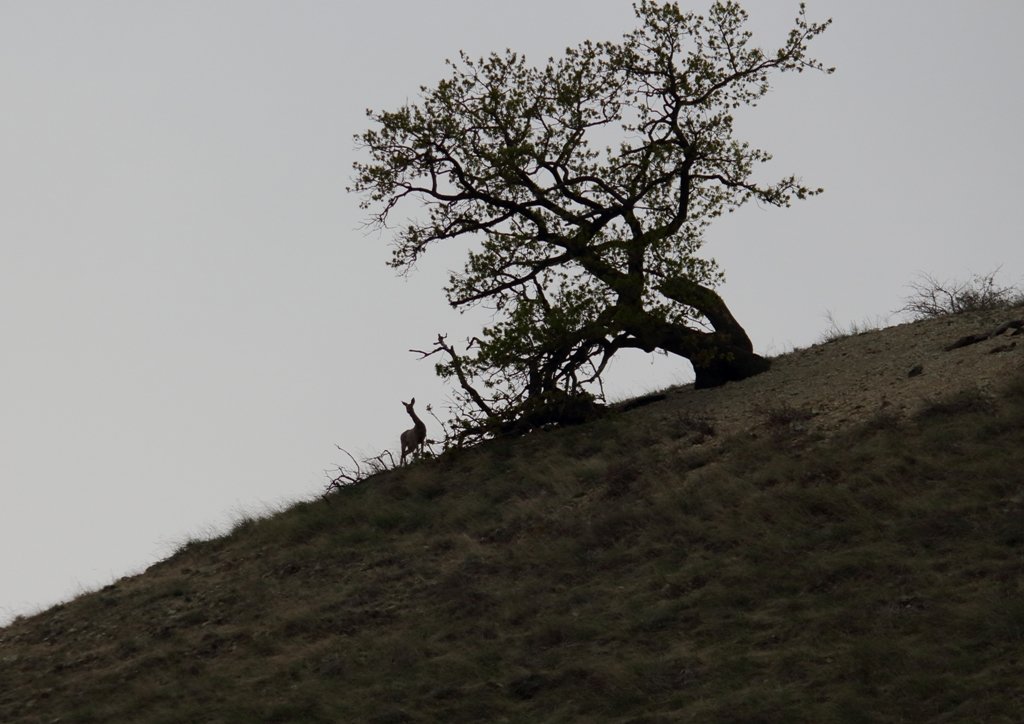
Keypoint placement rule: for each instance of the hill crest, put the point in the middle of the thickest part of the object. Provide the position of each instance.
(835, 384)
(835, 540)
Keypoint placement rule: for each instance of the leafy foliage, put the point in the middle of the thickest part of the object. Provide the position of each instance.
(588, 184)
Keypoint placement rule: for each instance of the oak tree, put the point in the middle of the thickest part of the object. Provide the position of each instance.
(586, 185)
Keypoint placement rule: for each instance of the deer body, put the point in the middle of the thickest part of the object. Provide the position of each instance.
(412, 439)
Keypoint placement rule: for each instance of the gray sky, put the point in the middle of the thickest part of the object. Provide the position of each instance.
(192, 317)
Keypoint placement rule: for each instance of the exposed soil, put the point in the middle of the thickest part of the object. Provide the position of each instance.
(830, 386)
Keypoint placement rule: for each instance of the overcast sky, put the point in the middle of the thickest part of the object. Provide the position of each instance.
(191, 315)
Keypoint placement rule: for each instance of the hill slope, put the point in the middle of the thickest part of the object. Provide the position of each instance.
(832, 541)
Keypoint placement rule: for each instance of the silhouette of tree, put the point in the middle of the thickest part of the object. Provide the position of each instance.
(588, 184)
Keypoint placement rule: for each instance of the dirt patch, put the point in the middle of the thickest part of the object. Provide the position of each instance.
(831, 386)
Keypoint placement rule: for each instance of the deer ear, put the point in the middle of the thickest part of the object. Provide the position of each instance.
(412, 401)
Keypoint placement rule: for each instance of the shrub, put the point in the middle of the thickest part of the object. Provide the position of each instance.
(932, 298)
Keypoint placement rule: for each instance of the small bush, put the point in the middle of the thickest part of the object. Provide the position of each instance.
(932, 298)
(699, 427)
(785, 415)
(966, 402)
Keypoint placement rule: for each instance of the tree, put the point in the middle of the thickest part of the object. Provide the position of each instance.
(587, 184)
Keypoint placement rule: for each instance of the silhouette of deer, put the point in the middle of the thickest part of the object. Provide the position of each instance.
(414, 437)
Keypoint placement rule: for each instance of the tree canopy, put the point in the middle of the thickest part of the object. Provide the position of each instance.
(587, 184)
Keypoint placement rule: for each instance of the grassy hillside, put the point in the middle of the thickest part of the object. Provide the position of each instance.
(645, 568)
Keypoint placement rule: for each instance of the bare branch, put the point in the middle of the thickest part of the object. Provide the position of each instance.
(350, 475)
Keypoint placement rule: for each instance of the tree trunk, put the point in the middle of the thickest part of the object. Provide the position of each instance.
(724, 362)
(724, 355)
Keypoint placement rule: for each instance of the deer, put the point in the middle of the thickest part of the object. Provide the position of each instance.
(412, 439)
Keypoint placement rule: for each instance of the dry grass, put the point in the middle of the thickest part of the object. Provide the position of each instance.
(622, 571)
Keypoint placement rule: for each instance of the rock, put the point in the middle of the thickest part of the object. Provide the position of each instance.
(1014, 326)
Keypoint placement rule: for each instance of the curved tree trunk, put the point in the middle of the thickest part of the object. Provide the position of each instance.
(724, 355)
(720, 361)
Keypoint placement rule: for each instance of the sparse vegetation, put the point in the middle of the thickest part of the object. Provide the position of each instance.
(837, 331)
(931, 297)
(787, 416)
(358, 471)
(640, 568)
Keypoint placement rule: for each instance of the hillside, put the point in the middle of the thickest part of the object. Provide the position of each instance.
(840, 539)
